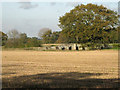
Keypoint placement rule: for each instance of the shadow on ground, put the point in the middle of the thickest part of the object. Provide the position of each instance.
(60, 80)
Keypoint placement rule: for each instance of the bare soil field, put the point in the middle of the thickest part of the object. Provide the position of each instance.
(60, 69)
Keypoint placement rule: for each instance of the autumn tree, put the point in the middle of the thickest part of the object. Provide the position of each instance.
(55, 36)
(13, 39)
(46, 37)
(42, 32)
(3, 38)
(88, 24)
(33, 42)
(114, 34)
(21, 40)
(50, 37)
(13, 34)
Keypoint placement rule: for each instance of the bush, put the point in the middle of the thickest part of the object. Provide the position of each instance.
(116, 46)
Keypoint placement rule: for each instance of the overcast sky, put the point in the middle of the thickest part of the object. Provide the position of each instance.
(29, 17)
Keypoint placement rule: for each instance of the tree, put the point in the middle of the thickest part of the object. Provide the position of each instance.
(46, 37)
(50, 37)
(13, 34)
(13, 39)
(55, 36)
(118, 34)
(88, 24)
(65, 38)
(23, 40)
(114, 35)
(3, 38)
(42, 32)
(33, 42)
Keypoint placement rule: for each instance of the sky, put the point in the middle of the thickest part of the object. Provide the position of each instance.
(30, 17)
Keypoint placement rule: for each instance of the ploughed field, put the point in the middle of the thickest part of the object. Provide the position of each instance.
(60, 69)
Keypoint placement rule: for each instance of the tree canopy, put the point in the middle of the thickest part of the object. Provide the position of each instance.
(3, 38)
(21, 40)
(50, 37)
(88, 23)
(42, 32)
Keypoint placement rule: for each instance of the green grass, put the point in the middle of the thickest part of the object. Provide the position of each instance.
(115, 48)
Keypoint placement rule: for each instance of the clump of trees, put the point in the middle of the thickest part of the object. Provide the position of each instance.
(89, 25)
(86, 24)
(48, 36)
(15, 39)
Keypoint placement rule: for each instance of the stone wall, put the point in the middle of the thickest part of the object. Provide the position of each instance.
(64, 47)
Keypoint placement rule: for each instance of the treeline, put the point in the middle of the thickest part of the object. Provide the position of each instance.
(85, 24)
(62, 37)
(14, 39)
(48, 36)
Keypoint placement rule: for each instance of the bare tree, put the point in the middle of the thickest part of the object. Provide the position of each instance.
(42, 32)
(13, 34)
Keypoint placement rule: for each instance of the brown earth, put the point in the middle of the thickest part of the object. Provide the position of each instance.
(61, 69)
